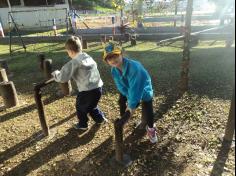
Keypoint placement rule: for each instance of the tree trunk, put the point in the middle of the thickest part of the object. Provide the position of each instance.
(176, 11)
(70, 3)
(230, 127)
(9, 4)
(3, 75)
(183, 84)
(8, 93)
(140, 13)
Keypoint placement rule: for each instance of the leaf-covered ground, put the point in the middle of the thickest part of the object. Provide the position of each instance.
(190, 129)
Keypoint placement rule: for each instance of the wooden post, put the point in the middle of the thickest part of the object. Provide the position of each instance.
(39, 104)
(133, 40)
(66, 88)
(9, 5)
(127, 37)
(103, 39)
(85, 44)
(230, 127)
(118, 141)
(41, 58)
(3, 75)
(183, 83)
(3, 64)
(54, 26)
(8, 93)
(22, 3)
(47, 65)
(111, 38)
(120, 157)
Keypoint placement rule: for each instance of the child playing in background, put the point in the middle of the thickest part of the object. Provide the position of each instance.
(134, 85)
(83, 70)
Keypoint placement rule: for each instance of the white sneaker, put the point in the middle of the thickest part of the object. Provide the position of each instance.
(152, 134)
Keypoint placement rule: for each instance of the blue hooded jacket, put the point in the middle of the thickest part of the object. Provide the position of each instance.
(133, 82)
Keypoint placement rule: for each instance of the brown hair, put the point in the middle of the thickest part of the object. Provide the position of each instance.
(73, 44)
(111, 56)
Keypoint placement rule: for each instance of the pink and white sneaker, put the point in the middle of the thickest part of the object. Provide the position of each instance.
(152, 134)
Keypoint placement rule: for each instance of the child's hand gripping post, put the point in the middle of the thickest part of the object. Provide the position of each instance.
(124, 119)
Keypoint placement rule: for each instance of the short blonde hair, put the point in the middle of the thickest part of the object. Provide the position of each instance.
(73, 44)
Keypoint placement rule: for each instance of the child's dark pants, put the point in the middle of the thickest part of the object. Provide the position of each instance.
(147, 110)
(86, 103)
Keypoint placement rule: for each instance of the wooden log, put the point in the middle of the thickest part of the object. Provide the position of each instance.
(41, 58)
(3, 75)
(3, 64)
(8, 93)
(47, 65)
(66, 88)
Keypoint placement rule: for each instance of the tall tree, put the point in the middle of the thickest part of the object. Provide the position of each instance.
(184, 76)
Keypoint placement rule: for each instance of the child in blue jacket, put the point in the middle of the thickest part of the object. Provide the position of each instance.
(134, 84)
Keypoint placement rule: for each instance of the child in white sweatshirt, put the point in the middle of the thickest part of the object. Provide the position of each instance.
(83, 70)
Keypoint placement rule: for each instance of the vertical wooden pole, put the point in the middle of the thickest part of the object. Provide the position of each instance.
(118, 141)
(230, 127)
(39, 104)
(47, 68)
(3, 75)
(85, 44)
(41, 58)
(8, 93)
(22, 3)
(133, 40)
(9, 5)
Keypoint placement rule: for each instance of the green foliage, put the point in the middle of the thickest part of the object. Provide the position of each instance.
(92, 4)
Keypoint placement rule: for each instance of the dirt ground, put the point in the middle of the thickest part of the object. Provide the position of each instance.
(190, 129)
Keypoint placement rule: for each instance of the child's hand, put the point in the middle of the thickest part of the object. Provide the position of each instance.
(55, 73)
(130, 110)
